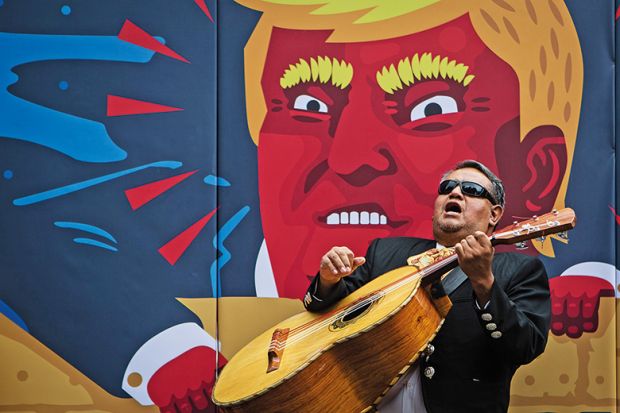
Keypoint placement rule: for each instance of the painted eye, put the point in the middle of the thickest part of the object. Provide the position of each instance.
(309, 104)
(436, 105)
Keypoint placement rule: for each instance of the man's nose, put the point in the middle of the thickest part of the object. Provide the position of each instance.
(359, 152)
(456, 192)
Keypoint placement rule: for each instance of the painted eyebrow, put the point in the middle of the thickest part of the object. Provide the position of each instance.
(320, 69)
(424, 67)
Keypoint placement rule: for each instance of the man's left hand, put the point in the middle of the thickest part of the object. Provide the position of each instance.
(475, 254)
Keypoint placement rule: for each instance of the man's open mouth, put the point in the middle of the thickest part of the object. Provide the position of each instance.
(366, 214)
(452, 206)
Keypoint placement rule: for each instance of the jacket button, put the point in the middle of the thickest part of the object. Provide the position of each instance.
(491, 326)
(496, 334)
(429, 372)
(430, 349)
(486, 317)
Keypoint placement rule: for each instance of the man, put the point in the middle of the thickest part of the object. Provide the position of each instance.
(501, 311)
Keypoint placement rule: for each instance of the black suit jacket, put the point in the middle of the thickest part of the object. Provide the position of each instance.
(476, 352)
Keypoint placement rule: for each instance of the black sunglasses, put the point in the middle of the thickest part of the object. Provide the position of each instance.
(467, 188)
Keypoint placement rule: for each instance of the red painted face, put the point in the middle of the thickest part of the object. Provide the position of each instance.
(345, 166)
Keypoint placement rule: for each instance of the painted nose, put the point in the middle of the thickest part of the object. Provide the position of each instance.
(359, 152)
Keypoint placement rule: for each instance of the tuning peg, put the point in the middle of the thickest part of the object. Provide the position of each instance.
(541, 239)
(555, 212)
(563, 235)
(521, 245)
(535, 217)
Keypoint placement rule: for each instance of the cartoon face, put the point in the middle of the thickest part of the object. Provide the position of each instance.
(346, 159)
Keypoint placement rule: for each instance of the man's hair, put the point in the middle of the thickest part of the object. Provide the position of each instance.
(497, 187)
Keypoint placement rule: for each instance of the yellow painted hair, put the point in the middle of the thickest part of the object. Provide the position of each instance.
(321, 69)
(422, 67)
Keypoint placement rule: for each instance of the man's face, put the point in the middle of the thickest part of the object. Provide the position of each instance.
(457, 215)
(345, 166)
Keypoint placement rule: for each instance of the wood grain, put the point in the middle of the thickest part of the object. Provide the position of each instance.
(344, 369)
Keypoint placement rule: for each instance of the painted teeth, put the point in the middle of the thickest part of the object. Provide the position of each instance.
(356, 218)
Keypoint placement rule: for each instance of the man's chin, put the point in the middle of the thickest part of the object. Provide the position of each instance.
(450, 228)
(444, 231)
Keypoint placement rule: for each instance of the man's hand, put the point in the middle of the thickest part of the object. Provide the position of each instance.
(337, 263)
(475, 254)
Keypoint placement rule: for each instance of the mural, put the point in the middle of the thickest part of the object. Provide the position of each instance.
(173, 171)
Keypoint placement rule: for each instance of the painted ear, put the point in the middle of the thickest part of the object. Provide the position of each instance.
(532, 170)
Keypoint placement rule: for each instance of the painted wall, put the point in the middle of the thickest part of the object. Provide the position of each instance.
(172, 172)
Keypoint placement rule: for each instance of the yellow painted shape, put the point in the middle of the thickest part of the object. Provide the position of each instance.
(573, 408)
(33, 375)
(241, 318)
(86, 411)
(325, 69)
(27, 378)
(542, 376)
(405, 72)
(427, 66)
(572, 372)
(19, 411)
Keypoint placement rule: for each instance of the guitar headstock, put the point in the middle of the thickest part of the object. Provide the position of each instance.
(537, 226)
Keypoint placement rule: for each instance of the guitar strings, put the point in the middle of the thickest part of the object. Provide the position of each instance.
(320, 323)
(317, 324)
(301, 332)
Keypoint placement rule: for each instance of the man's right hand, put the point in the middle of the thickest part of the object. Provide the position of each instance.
(337, 263)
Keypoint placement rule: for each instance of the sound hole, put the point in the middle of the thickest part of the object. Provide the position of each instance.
(350, 316)
(356, 313)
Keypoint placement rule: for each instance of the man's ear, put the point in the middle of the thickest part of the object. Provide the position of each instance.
(532, 169)
(496, 214)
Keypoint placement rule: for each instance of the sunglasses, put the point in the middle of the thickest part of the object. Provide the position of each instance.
(467, 188)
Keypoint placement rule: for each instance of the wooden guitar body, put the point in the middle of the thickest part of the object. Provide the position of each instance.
(359, 364)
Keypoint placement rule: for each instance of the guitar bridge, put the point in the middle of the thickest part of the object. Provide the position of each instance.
(276, 348)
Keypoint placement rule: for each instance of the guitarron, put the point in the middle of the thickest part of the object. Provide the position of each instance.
(346, 358)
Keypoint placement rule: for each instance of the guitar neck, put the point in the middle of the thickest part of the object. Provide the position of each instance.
(518, 232)
(433, 272)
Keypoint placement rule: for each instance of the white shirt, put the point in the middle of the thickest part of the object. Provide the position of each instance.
(405, 396)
